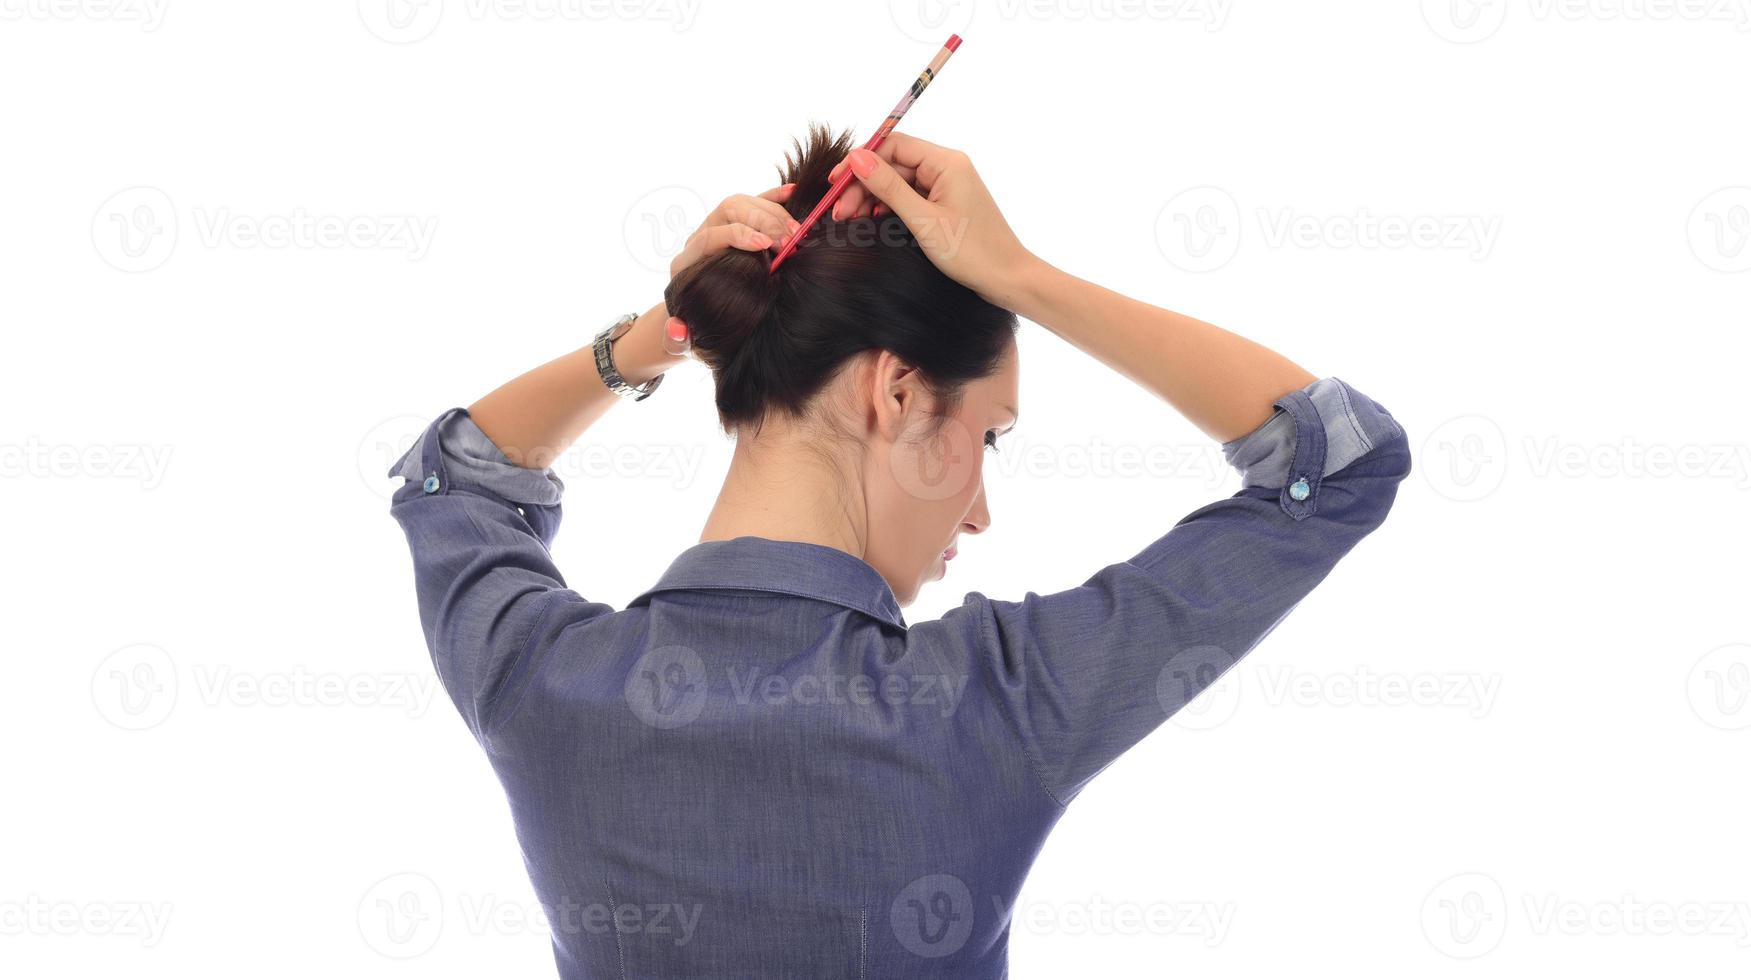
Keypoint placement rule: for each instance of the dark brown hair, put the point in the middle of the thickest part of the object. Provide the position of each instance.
(773, 340)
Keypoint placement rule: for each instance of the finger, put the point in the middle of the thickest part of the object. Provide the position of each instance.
(848, 202)
(901, 150)
(715, 238)
(882, 180)
(676, 339)
(764, 215)
(781, 193)
(925, 159)
(857, 202)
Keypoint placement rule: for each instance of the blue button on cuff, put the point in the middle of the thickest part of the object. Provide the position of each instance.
(1299, 490)
(431, 484)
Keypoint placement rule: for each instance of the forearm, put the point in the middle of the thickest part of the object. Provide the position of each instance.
(535, 416)
(1222, 382)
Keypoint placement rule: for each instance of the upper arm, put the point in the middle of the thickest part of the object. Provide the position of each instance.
(478, 527)
(1086, 673)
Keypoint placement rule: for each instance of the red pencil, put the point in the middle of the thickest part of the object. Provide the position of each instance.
(918, 86)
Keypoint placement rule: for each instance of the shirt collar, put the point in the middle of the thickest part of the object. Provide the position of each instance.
(802, 568)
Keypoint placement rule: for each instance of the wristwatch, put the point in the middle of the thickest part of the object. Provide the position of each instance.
(605, 361)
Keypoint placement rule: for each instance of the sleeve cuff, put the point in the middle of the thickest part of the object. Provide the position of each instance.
(1348, 425)
(454, 453)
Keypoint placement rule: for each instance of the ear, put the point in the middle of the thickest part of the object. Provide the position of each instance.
(897, 394)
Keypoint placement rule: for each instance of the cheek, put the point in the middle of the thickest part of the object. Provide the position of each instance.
(939, 473)
(934, 484)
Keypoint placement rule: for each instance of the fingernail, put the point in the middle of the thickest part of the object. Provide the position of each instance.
(677, 330)
(762, 239)
(793, 225)
(861, 161)
(836, 206)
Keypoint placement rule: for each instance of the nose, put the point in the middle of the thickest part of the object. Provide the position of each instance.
(978, 515)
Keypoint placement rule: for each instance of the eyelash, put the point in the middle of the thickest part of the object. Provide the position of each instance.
(991, 441)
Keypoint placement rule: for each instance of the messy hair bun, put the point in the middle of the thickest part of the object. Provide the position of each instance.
(773, 340)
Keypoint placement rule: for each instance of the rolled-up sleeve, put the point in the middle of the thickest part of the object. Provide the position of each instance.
(1086, 673)
(479, 528)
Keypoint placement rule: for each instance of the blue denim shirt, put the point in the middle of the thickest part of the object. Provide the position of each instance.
(759, 769)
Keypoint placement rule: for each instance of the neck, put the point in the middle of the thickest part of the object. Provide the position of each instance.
(780, 489)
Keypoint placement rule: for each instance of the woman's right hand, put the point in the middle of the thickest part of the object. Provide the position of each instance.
(945, 205)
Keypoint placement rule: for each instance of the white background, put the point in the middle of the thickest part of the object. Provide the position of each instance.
(1507, 737)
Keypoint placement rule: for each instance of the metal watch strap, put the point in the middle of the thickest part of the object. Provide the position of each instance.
(604, 351)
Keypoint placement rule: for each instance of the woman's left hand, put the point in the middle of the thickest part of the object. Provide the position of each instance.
(753, 223)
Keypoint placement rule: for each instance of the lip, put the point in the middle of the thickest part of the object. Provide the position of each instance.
(950, 553)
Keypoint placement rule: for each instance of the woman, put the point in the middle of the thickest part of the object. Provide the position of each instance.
(758, 768)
